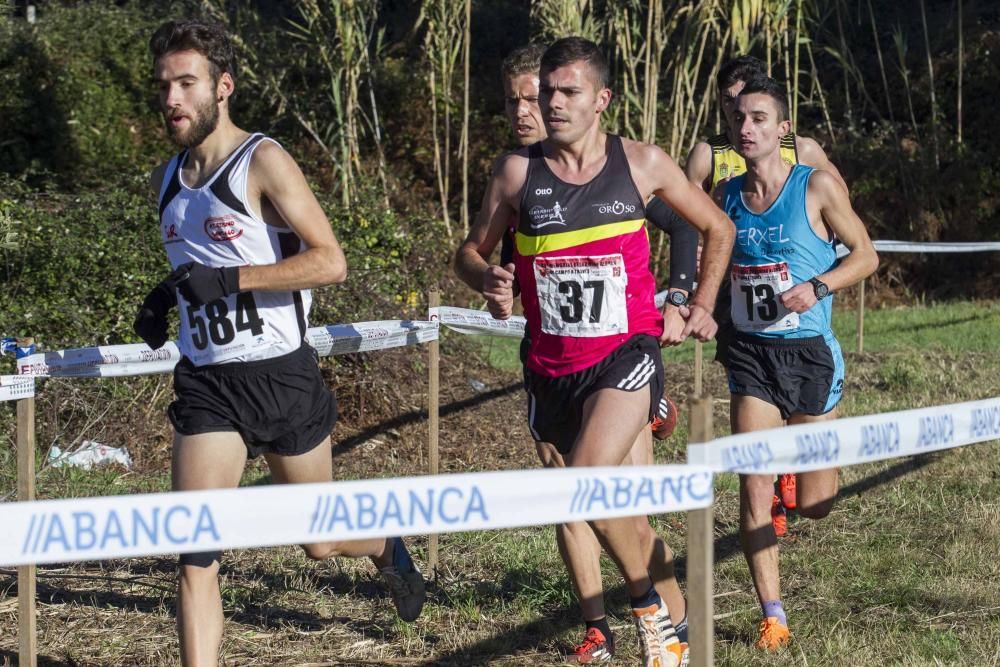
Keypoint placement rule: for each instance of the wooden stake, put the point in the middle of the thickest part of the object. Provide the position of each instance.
(861, 317)
(701, 554)
(27, 634)
(433, 402)
(699, 362)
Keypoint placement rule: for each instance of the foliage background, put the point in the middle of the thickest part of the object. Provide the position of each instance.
(81, 132)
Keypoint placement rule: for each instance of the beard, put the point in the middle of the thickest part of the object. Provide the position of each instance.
(203, 123)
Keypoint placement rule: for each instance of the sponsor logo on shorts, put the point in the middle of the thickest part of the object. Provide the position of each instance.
(838, 387)
(223, 228)
(936, 430)
(822, 447)
(624, 493)
(66, 532)
(985, 422)
(879, 440)
(749, 456)
(337, 512)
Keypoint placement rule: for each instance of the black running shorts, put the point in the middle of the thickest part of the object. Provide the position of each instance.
(724, 318)
(555, 404)
(278, 406)
(801, 376)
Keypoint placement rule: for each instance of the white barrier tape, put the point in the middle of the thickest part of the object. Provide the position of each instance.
(15, 387)
(911, 246)
(468, 321)
(139, 359)
(54, 531)
(853, 440)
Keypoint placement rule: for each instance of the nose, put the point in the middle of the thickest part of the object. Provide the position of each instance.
(170, 96)
(523, 108)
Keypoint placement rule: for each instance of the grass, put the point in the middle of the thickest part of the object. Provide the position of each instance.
(903, 572)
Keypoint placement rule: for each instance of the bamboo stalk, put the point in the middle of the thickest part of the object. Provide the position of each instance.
(961, 63)
(466, 38)
(930, 77)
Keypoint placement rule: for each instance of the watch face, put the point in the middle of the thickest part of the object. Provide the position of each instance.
(678, 298)
(820, 289)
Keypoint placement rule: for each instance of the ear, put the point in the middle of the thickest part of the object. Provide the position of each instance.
(784, 127)
(604, 96)
(225, 87)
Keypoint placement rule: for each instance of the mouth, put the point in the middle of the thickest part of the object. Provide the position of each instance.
(746, 144)
(556, 122)
(176, 120)
(525, 130)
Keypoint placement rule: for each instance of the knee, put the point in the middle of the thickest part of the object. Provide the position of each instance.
(818, 510)
(321, 551)
(756, 492)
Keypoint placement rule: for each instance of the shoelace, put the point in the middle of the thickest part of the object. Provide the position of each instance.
(650, 637)
(395, 581)
(590, 641)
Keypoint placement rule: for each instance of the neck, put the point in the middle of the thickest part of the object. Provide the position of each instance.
(766, 174)
(585, 150)
(218, 145)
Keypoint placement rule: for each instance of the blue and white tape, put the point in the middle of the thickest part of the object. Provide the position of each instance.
(15, 387)
(139, 359)
(853, 440)
(54, 531)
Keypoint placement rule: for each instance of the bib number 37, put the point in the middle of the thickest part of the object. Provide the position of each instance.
(582, 296)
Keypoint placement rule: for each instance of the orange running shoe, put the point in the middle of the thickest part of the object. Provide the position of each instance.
(773, 634)
(665, 420)
(595, 649)
(786, 489)
(779, 518)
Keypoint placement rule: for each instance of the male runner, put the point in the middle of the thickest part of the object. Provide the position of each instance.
(593, 370)
(248, 240)
(716, 160)
(785, 364)
(578, 546)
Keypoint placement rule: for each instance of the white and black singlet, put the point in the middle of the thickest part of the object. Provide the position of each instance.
(214, 225)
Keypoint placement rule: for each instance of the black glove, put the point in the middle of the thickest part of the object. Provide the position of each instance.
(200, 284)
(151, 320)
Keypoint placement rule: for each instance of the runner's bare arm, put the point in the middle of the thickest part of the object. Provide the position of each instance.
(472, 266)
(655, 172)
(826, 195)
(698, 167)
(812, 154)
(283, 197)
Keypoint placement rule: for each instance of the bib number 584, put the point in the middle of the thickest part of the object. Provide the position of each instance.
(211, 323)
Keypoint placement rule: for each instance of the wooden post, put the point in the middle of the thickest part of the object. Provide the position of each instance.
(701, 554)
(699, 363)
(433, 402)
(861, 317)
(27, 635)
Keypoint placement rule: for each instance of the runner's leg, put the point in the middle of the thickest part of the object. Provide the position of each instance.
(316, 465)
(660, 557)
(816, 491)
(612, 421)
(579, 548)
(760, 545)
(204, 461)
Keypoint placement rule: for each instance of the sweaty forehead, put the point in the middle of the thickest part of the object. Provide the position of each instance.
(178, 64)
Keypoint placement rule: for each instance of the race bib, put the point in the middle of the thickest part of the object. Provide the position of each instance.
(582, 297)
(755, 304)
(223, 329)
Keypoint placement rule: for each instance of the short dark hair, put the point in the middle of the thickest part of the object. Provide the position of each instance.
(575, 49)
(525, 59)
(768, 86)
(739, 69)
(208, 38)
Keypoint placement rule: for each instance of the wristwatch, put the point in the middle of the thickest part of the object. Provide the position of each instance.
(819, 288)
(677, 298)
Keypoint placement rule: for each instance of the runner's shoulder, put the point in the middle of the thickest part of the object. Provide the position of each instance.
(511, 167)
(809, 151)
(156, 177)
(825, 185)
(642, 156)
